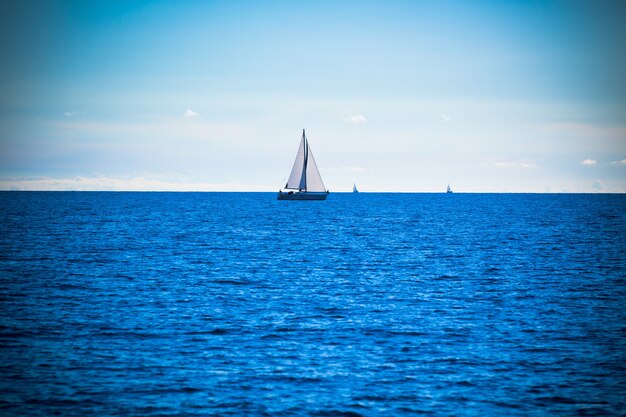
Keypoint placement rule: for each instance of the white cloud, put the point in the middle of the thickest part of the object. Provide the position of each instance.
(622, 162)
(355, 119)
(190, 113)
(525, 165)
(74, 113)
(445, 118)
(589, 162)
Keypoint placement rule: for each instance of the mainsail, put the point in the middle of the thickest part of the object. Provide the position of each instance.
(304, 175)
(296, 177)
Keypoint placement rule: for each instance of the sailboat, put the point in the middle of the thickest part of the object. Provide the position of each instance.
(354, 190)
(449, 190)
(305, 181)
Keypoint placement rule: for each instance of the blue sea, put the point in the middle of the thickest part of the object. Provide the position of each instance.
(236, 304)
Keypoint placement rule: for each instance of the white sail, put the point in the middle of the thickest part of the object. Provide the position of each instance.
(296, 178)
(304, 175)
(313, 180)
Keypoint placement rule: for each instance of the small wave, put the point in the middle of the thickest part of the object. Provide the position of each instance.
(123, 276)
(189, 390)
(464, 384)
(153, 391)
(409, 410)
(506, 405)
(557, 400)
(335, 413)
(529, 331)
(408, 333)
(217, 332)
(447, 276)
(296, 379)
(370, 397)
(231, 282)
(70, 287)
(455, 361)
(271, 336)
(285, 329)
(65, 402)
(15, 334)
(125, 334)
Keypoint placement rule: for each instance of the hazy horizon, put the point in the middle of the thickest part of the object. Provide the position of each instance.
(401, 96)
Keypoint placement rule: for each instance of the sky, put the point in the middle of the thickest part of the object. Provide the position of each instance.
(397, 96)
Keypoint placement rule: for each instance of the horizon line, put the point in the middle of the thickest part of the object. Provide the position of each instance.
(332, 192)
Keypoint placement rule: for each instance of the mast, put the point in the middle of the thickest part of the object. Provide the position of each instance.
(306, 158)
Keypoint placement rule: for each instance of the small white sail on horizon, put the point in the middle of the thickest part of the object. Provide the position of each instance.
(354, 189)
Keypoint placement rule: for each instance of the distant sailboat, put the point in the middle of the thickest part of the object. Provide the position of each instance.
(305, 181)
(449, 190)
(354, 190)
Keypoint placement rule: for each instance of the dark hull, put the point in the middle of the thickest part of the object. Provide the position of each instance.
(302, 196)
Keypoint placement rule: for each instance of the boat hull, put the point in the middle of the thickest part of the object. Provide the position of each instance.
(302, 195)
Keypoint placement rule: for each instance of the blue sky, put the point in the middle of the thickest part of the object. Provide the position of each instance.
(489, 96)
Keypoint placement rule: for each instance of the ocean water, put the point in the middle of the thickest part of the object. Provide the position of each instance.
(235, 304)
